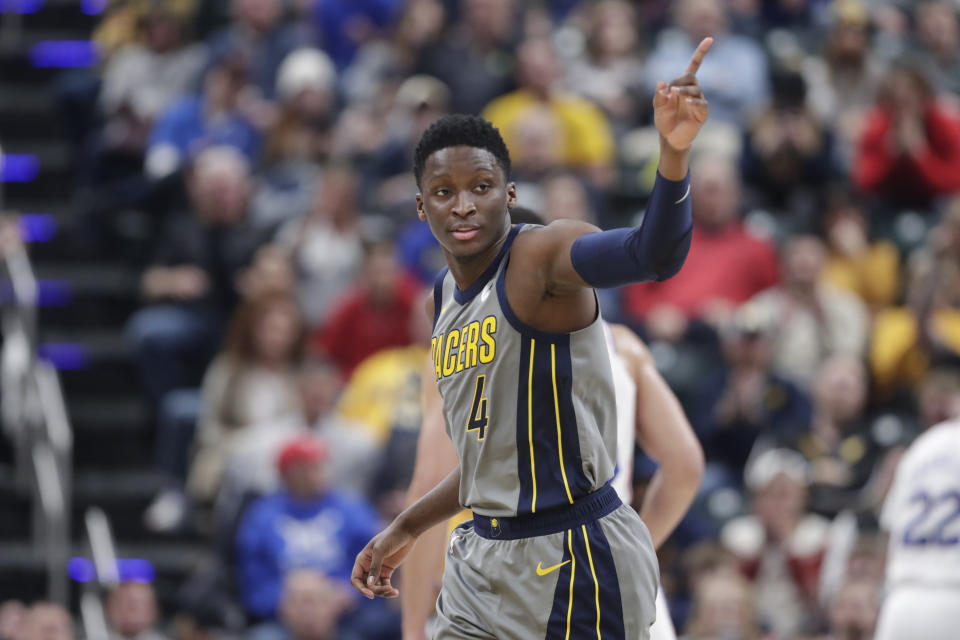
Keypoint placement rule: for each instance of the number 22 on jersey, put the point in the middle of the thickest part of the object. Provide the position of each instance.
(477, 420)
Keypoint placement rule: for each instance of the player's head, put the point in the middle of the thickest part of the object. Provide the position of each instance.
(462, 168)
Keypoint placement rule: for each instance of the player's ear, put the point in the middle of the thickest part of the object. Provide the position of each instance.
(420, 212)
(511, 195)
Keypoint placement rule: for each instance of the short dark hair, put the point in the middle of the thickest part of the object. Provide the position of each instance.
(458, 129)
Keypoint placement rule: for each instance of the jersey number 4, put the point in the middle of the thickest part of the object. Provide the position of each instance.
(478, 410)
(936, 516)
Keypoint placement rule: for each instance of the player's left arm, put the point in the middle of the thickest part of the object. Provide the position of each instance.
(666, 436)
(577, 254)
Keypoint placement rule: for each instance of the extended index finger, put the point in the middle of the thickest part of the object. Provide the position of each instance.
(698, 55)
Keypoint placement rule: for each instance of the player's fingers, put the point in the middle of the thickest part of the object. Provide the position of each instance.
(698, 55)
(376, 560)
(684, 80)
(698, 107)
(689, 91)
(359, 574)
(661, 95)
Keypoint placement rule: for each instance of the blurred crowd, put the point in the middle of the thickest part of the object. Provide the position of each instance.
(253, 159)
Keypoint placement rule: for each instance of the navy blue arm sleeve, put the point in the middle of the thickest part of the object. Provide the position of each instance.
(653, 251)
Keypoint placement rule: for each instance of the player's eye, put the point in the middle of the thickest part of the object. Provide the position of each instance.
(440, 192)
(482, 187)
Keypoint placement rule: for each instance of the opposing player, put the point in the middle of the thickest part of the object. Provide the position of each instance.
(647, 411)
(922, 515)
(521, 364)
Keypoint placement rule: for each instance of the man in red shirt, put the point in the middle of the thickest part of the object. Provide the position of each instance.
(374, 315)
(726, 265)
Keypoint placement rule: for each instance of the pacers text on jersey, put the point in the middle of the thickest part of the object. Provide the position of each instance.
(464, 348)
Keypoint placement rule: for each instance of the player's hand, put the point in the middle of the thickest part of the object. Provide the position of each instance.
(379, 559)
(680, 108)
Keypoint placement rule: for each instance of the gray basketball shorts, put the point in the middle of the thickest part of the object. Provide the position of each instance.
(594, 579)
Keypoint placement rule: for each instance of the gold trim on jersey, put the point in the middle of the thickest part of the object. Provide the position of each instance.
(596, 584)
(556, 407)
(533, 469)
(573, 572)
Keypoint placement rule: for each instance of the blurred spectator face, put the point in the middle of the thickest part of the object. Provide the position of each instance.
(47, 621)
(260, 15)
(224, 82)
(906, 92)
(612, 29)
(276, 333)
(305, 83)
(841, 388)
(301, 466)
(488, 19)
(565, 197)
(336, 198)
(854, 610)
(12, 616)
(320, 385)
(846, 230)
(804, 258)
(162, 31)
(716, 193)
(723, 608)
(131, 609)
(702, 18)
(937, 27)
(538, 142)
(939, 397)
(779, 503)
(537, 68)
(220, 185)
(747, 348)
(271, 271)
(421, 22)
(380, 270)
(310, 605)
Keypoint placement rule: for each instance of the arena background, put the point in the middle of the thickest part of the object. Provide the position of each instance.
(210, 249)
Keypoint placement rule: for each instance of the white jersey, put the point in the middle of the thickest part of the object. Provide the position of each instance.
(922, 512)
(625, 390)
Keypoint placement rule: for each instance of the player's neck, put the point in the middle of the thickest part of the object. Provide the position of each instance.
(467, 269)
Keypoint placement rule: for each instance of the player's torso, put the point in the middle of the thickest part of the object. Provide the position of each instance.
(531, 414)
(923, 512)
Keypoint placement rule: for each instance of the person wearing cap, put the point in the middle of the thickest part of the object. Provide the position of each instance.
(304, 524)
(779, 544)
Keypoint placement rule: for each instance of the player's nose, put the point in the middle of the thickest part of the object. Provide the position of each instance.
(464, 205)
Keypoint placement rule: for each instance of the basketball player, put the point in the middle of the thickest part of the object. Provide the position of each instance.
(521, 362)
(647, 411)
(922, 515)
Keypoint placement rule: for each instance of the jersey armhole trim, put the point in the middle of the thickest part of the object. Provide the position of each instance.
(438, 295)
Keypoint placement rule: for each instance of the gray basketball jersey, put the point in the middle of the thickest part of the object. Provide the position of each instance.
(532, 414)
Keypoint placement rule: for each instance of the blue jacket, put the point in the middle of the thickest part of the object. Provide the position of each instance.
(278, 533)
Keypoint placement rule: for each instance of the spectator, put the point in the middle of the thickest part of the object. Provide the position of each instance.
(786, 152)
(211, 118)
(250, 386)
(856, 262)
(841, 445)
(373, 315)
(46, 621)
(13, 613)
(190, 283)
(298, 139)
(909, 152)
(310, 607)
(304, 525)
(938, 37)
(854, 611)
(609, 71)
(583, 134)
(734, 75)
(475, 57)
(780, 545)
(723, 607)
(843, 79)
(325, 245)
(131, 610)
(745, 401)
(342, 26)
(701, 290)
(142, 78)
(813, 321)
(257, 28)
(906, 341)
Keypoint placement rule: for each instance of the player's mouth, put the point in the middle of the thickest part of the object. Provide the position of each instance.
(464, 233)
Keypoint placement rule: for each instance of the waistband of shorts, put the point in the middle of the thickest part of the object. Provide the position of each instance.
(542, 523)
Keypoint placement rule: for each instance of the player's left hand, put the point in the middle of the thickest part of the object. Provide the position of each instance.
(680, 108)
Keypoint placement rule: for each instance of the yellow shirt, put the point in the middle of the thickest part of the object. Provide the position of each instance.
(586, 138)
(874, 275)
(895, 358)
(384, 391)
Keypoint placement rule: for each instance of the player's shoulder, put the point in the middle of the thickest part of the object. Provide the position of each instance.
(536, 238)
(940, 438)
(629, 345)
